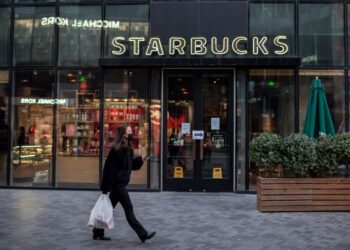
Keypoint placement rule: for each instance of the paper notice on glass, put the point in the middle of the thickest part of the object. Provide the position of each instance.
(215, 123)
(185, 128)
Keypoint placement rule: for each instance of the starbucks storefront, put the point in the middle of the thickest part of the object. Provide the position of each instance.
(196, 81)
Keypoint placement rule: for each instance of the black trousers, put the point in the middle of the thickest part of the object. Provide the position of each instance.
(120, 194)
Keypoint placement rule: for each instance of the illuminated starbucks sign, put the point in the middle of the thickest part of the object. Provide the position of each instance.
(199, 46)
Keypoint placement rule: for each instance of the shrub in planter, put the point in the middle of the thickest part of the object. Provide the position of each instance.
(264, 152)
(342, 147)
(326, 157)
(299, 155)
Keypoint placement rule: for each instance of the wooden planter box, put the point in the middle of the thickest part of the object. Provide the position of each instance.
(303, 194)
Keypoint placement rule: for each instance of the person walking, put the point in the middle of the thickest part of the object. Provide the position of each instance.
(116, 176)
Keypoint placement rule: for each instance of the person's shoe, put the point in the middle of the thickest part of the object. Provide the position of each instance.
(148, 236)
(99, 234)
(97, 237)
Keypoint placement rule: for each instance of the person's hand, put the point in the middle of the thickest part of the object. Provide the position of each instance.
(145, 157)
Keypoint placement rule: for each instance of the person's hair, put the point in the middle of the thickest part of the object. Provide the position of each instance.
(121, 141)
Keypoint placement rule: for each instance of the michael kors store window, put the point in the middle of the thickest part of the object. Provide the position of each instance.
(32, 128)
(127, 101)
(78, 128)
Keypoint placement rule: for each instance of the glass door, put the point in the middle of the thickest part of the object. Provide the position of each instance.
(197, 134)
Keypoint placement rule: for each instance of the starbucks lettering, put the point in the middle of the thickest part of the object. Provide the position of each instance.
(199, 46)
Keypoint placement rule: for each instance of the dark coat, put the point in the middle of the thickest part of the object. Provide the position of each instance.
(117, 168)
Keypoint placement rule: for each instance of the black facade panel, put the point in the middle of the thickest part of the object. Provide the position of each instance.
(188, 19)
(223, 19)
(174, 19)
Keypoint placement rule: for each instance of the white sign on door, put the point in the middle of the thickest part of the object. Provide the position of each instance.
(198, 134)
(215, 123)
(185, 128)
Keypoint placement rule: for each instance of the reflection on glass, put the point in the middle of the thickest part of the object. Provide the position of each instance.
(34, 1)
(263, 18)
(333, 83)
(33, 43)
(33, 128)
(4, 125)
(76, 1)
(133, 20)
(180, 110)
(216, 144)
(5, 14)
(271, 94)
(78, 45)
(126, 102)
(321, 29)
(78, 128)
(241, 133)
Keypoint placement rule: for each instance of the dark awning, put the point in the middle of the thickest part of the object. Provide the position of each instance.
(191, 62)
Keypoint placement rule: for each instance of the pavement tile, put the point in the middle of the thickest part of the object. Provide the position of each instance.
(56, 220)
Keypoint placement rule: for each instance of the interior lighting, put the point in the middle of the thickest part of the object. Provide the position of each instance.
(271, 84)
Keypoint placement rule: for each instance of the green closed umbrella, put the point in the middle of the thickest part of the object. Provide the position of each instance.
(318, 120)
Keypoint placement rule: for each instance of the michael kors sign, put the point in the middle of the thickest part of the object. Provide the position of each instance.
(199, 46)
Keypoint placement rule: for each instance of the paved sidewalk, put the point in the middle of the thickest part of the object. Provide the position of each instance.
(40, 220)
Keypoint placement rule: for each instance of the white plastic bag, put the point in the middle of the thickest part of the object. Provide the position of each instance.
(101, 215)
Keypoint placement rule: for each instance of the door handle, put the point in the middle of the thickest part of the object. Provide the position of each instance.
(193, 149)
(201, 150)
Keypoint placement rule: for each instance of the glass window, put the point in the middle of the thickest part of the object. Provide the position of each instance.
(321, 29)
(133, 21)
(126, 102)
(4, 125)
(348, 32)
(271, 106)
(5, 17)
(35, 1)
(78, 128)
(241, 133)
(271, 20)
(77, 1)
(80, 41)
(333, 82)
(33, 42)
(33, 127)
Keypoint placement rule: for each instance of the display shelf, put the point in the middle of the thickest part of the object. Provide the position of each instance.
(80, 124)
(27, 159)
